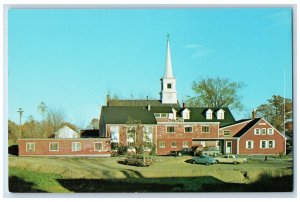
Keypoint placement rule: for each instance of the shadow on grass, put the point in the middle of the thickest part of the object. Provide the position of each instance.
(18, 185)
(13, 150)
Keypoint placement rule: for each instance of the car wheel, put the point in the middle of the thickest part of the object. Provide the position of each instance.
(207, 164)
(217, 162)
(126, 162)
(179, 154)
(193, 162)
(235, 162)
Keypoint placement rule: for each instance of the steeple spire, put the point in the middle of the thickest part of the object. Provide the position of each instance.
(168, 70)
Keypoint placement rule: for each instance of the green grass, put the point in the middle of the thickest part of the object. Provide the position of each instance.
(167, 174)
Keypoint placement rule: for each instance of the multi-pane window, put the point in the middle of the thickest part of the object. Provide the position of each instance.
(76, 146)
(98, 146)
(114, 134)
(185, 144)
(205, 129)
(256, 131)
(263, 131)
(209, 114)
(173, 144)
(263, 144)
(30, 146)
(147, 131)
(188, 129)
(220, 114)
(157, 115)
(270, 131)
(164, 115)
(226, 132)
(271, 144)
(249, 144)
(162, 144)
(170, 129)
(131, 135)
(53, 146)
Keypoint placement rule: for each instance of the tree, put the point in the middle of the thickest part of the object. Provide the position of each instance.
(138, 139)
(216, 93)
(94, 124)
(42, 108)
(278, 112)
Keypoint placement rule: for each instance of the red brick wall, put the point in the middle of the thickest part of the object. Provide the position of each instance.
(65, 147)
(279, 141)
(180, 136)
(234, 129)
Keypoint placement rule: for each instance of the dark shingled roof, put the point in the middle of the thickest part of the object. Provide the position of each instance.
(140, 103)
(239, 121)
(247, 127)
(90, 133)
(120, 114)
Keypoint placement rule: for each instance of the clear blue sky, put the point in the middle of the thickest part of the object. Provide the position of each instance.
(70, 59)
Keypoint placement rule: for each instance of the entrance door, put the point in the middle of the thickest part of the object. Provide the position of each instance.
(228, 147)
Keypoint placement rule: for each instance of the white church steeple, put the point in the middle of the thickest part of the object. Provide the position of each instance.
(168, 92)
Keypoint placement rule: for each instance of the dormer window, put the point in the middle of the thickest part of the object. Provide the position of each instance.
(186, 114)
(209, 114)
(220, 114)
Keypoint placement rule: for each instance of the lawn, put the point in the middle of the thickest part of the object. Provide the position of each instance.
(167, 174)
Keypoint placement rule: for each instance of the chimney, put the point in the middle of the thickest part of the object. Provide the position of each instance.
(107, 100)
(149, 107)
(253, 114)
(183, 105)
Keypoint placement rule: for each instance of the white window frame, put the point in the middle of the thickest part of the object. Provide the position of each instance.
(162, 144)
(268, 132)
(167, 129)
(50, 143)
(163, 115)
(220, 115)
(255, 131)
(205, 126)
(227, 131)
(74, 148)
(185, 144)
(273, 144)
(172, 144)
(209, 114)
(95, 146)
(189, 127)
(266, 144)
(252, 144)
(28, 146)
(157, 115)
(263, 129)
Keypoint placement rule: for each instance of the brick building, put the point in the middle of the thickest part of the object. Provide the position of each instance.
(171, 127)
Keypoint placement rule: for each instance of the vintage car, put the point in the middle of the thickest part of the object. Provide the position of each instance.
(138, 160)
(212, 151)
(230, 158)
(203, 159)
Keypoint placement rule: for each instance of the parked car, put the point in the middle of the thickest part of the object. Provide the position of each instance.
(203, 159)
(212, 151)
(184, 151)
(230, 158)
(138, 160)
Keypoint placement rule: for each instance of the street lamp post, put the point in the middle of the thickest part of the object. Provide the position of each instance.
(20, 114)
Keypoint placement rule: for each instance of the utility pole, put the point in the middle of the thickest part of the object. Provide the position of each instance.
(20, 114)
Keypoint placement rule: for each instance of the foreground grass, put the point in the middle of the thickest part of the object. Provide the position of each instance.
(167, 174)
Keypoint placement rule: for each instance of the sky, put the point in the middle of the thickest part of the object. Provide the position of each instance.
(70, 59)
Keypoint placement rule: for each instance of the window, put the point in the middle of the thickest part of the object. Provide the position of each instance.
(170, 129)
(147, 131)
(270, 131)
(205, 129)
(256, 131)
(186, 114)
(30, 146)
(185, 144)
(173, 144)
(131, 136)
(226, 132)
(164, 115)
(271, 144)
(263, 131)
(263, 144)
(169, 85)
(162, 144)
(209, 114)
(76, 146)
(114, 134)
(249, 144)
(157, 115)
(98, 146)
(220, 114)
(188, 129)
(53, 146)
